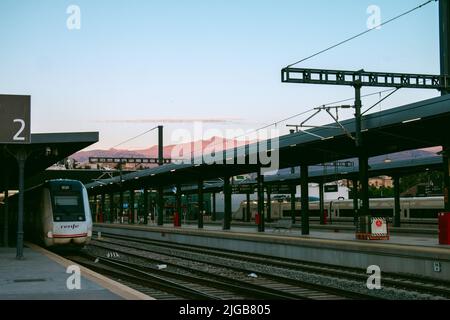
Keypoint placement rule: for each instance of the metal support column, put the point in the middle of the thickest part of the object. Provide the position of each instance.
(178, 205)
(364, 181)
(248, 213)
(397, 209)
(355, 201)
(227, 203)
(260, 184)
(189, 214)
(201, 211)
(95, 200)
(6, 212)
(446, 171)
(444, 35)
(121, 206)
(102, 206)
(269, 205)
(362, 155)
(304, 198)
(160, 146)
(293, 192)
(213, 215)
(145, 206)
(21, 158)
(321, 204)
(131, 207)
(112, 213)
(160, 206)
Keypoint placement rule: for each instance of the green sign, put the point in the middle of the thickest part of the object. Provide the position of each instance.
(331, 188)
(244, 189)
(281, 189)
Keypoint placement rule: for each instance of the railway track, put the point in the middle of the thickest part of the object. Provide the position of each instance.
(210, 284)
(137, 277)
(434, 288)
(128, 262)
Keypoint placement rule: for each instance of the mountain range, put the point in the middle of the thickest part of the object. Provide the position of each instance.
(217, 143)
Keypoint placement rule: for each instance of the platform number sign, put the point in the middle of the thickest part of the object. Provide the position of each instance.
(15, 119)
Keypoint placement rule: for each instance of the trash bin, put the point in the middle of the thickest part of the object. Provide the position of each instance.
(325, 216)
(257, 218)
(176, 219)
(444, 228)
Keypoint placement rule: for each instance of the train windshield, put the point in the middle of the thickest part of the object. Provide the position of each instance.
(68, 208)
(66, 201)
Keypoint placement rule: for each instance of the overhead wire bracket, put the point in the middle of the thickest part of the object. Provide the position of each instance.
(334, 117)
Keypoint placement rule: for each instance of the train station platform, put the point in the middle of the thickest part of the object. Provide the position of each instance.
(417, 254)
(41, 275)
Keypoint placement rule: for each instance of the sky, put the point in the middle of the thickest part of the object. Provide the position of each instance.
(133, 64)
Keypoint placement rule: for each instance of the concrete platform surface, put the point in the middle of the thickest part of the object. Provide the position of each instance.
(419, 255)
(41, 275)
(410, 239)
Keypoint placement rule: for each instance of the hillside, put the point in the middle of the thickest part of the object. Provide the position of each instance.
(216, 142)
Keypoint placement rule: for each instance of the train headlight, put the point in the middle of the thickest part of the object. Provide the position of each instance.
(49, 234)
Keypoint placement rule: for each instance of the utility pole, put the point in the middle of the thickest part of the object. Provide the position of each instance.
(363, 159)
(444, 35)
(160, 146)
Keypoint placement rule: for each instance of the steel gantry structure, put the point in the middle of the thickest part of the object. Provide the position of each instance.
(358, 79)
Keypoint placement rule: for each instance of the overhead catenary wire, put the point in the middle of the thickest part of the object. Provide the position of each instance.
(139, 135)
(361, 33)
(313, 109)
(303, 113)
(381, 100)
(268, 125)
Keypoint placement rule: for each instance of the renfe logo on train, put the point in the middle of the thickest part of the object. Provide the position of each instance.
(70, 226)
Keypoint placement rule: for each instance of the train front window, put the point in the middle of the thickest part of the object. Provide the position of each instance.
(68, 208)
(66, 201)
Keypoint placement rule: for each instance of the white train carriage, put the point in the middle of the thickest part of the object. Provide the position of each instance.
(421, 209)
(57, 213)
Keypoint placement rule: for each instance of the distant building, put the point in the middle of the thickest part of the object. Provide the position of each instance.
(381, 181)
(423, 190)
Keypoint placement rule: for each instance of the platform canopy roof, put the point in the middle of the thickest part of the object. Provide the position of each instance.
(86, 176)
(413, 126)
(324, 175)
(44, 150)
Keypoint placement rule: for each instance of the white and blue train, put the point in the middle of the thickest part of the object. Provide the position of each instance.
(56, 214)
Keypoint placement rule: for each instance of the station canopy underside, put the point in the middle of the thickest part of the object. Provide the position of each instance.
(324, 175)
(44, 150)
(413, 126)
(86, 176)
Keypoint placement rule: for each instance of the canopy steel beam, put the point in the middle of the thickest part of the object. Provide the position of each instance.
(365, 78)
(119, 160)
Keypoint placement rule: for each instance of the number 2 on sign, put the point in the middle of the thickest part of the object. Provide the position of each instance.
(17, 136)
